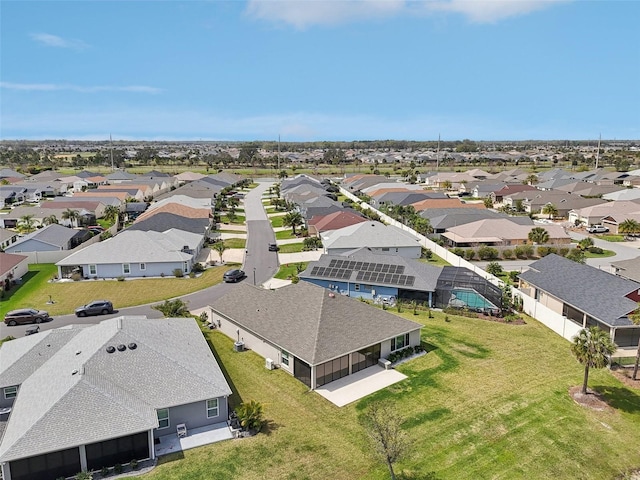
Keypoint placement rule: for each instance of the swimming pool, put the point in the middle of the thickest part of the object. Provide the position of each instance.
(467, 297)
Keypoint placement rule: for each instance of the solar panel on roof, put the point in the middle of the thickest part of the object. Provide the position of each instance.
(395, 278)
(399, 268)
(357, 266)
(332, 263)
(410, 280)
(385, 268)
(321, 271)
(365, 266)
(314, 270)
(359, 276)
(378, 267)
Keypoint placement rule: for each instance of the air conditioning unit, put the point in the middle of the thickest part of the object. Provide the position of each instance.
(268, 364)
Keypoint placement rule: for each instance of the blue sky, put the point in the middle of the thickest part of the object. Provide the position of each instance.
(320, 70)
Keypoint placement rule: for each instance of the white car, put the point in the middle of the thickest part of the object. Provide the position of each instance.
(597, 229)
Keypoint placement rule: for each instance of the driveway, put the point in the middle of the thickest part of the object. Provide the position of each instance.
(258, 257)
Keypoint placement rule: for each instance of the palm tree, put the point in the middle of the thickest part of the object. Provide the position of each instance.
(219, 247)
(629, 226)
(539, 235)
(592, 347)
(173, 308)
(293, 219)
(111, 213)
(71, 215)
(550, 209)
(27, 224)
(51, 219)
(531, 179)
(447, 185)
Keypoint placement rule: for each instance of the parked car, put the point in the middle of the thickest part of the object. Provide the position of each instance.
(597, 229)
(96, 227)
(233, 276)
(32, 329)
(273, 247)
(97, 307)
(26, 315)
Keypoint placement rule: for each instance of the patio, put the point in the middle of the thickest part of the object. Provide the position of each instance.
(358, 385)
(196, 437)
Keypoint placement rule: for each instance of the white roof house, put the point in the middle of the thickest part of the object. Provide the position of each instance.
(374, 235)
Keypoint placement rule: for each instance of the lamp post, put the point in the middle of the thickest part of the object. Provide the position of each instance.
(254, 275)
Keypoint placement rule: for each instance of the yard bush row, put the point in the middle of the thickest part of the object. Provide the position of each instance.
(404, 353)
(522, 252)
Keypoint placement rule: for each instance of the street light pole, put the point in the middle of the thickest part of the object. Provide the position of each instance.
(254, 275)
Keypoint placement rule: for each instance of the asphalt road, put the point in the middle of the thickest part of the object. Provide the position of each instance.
(258, 257)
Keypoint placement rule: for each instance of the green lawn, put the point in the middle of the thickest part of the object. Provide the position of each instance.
(276, 221)
(605, 253)
(289, 270)
(235, 242)
(291, 248)
(611, 237)
(489, 401)
(239, 220)
(35, 290)
(285, 235)
(436, 261)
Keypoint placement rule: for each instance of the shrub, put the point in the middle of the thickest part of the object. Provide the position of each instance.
(520, 252)
(513, 275)
(470, 254)
(295, 279)
(250, 415)
(84, 476)
(117, 468)
(596, 250)
(192, 274)
(197, 268)
(458, 251)
(494, 268)
(120, 278)
(507, 254)
(563, 251)
(487, 253)
(178, 272)
(104, 472)
(133, 464)
(426, 253)
(76, 277)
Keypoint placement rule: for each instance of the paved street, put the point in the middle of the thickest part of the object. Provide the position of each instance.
(259, 235)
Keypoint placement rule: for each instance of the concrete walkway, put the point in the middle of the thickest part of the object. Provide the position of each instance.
(358, 385)
(196, 437)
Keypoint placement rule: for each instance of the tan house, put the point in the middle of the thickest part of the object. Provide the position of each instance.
(500, 232)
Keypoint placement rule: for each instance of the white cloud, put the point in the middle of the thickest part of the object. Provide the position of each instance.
(51, 87)
(304, 13)
(490, 11)
(55, 41)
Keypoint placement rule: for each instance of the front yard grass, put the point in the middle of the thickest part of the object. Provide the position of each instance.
(285, 235)
(611, 237)
(604, 254)
(291, 248)
(489, 400)
(235, 242)
(290, 269)
(239, 220)
(436, 261)
(35, 290)
(276, 221)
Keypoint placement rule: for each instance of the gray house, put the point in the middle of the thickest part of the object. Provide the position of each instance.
(310, 332)
(51, 238)
(135, 253)
(111, 389)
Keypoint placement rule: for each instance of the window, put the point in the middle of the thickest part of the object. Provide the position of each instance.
(126, 268)
(10, 392)
(163, 418)
(356, 287)
(399, 342)
(212, 408)
(143, 266)
(93, 270)
(285, 358)
(385, 249)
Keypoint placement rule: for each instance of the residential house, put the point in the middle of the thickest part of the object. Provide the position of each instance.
(112, 391)
(622, 195)
(389, 196)
(334, 221)
(595, 214)
(585, 295)
(387, 279)
(94, 207)
(431, 203)
(162, 221)
(12, 195)
(587, 189)
(6, 173)
(629, 269)
(7, 237)
(38, 214)
(500, 232)
(497, 195)
(51, 238)
(533, 201)
(134, 254)
(355, 183)
(374, 235)
(310, 332)
(186, 177)
(12, 267)
(443, 218)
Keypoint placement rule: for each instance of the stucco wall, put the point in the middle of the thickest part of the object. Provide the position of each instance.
(193, 415)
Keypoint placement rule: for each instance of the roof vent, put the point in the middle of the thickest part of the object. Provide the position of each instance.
(122, 347)
(111, 349)
(74, 371)
(132, 346)
(78, 352)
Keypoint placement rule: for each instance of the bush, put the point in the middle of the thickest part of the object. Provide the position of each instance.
(487, 253)
(120, 278)
(458, 251)
(295, 279)
(494, 268)
(524, 251)
(596, 250)
(197, 268)
(544, 251)
(104, 472)
(178, 272)
(563, 251)
(426, 253)
(513, 275)
(76, 277)
(507, 254)
(470, 254)
(133, 464)
(117, 468)
(84, 476)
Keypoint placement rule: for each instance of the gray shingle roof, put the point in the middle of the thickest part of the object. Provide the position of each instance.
(600, 294)
(111, 394)
(302, 319)
(368, 234)
(53, 234)
(163, 221)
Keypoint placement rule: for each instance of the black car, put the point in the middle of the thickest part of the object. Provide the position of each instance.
(97, 307)
(273, 247)
(233, 276)
(26, 315)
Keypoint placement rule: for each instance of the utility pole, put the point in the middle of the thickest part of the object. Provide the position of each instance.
(111, 151)
(438, 155)
(278, 154)
(598, 153)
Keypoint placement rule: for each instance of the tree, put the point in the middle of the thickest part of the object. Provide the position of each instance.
(250, 415)
(71, 215)
(629, 227)
(576, 255)
(635, 318)
(538, 235)
(293, 219)
(27, 224)
(488, 203)
(494, 268)
(173, 308)
(51, 219)
(592, 347)
(550, 209)
(531, 179)
(389, 441)
(111, 213)
(447, 185)
(219, 247)
(585, 243)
